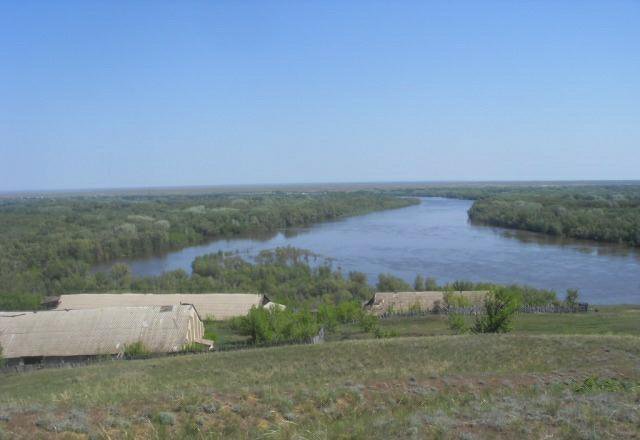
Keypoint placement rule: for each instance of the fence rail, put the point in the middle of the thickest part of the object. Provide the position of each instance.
(478, 309)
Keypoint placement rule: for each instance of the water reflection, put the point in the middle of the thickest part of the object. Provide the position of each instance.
(584, 246)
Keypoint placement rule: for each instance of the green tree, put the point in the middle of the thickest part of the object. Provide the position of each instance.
(571, 300)
(500, 307)
(419, 284)
(390, 283)
(431, 284)
(120, 276)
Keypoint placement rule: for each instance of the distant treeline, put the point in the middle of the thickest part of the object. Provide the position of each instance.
(608, 213)
(47, 246)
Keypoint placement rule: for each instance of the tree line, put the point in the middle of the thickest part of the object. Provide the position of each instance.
(49, 245)
(288, 275)
(607, 213)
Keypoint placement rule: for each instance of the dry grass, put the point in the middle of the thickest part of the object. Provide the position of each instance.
(440, 387)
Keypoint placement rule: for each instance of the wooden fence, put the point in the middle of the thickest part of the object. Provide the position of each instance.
(479, 309)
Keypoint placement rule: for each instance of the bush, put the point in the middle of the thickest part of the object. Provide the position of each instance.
(2, 361)
(368, 323)
(500, 306)
(274, 325)
(328, 316)
(137, 349)
(452, 299)
(457, 323)
(381, 334)
(348, 311)
(166, 418)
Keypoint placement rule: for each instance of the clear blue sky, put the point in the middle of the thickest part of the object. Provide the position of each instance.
(152, 93)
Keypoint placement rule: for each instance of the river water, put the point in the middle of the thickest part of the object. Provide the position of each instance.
(436, 239)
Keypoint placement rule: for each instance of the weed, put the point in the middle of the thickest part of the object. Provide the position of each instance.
(594, 383)
(166, 418)
(136, 349)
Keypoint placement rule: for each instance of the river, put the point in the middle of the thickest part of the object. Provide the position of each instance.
(436, 239)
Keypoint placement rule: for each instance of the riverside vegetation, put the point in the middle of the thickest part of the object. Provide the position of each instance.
(48, 245)
(608, 213)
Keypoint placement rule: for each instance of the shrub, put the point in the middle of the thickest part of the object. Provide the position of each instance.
(327, 316)
(597, 384)
(348, 311)
(1, 358)
(137, 349)
(272, 326)
(380, 334)
(500, 306)
(166, 418)
(457, 323)
(368, 323)
(452, 299)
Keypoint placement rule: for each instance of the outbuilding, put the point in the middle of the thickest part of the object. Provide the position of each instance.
(72, 335)
(218, 306)
(403, 302)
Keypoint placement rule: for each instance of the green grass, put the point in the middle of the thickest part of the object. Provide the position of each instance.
(608, 320)
(556, 376)
(620, 320)
(224, 333)
(450, 387)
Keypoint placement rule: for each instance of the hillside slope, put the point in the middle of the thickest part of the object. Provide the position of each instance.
(447, 386)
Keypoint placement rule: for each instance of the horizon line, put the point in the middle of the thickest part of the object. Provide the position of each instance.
(302, 186)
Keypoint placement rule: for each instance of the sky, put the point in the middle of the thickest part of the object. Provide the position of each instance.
(98, 94)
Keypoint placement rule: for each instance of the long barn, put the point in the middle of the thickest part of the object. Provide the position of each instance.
(33, 337)
(218, 306)
(400, 302)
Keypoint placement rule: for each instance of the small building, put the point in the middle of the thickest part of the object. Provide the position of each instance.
(218, 306)
(403, 302)
(74, 335)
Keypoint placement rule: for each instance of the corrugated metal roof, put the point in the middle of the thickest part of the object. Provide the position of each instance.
(98, 331)
(217, 305)
(403, 301)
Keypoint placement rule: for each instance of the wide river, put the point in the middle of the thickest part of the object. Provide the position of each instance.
(436, 239)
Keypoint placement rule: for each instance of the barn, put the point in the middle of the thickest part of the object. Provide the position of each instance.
(402, 302)
(68, 335)
(218, 306)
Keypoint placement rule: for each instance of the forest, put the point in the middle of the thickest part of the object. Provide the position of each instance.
(607, 213)
(48, 245)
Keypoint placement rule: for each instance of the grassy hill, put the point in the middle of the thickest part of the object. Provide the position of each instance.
(486, 386)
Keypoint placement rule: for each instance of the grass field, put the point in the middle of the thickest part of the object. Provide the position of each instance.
(611, 320)
(486, 386)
